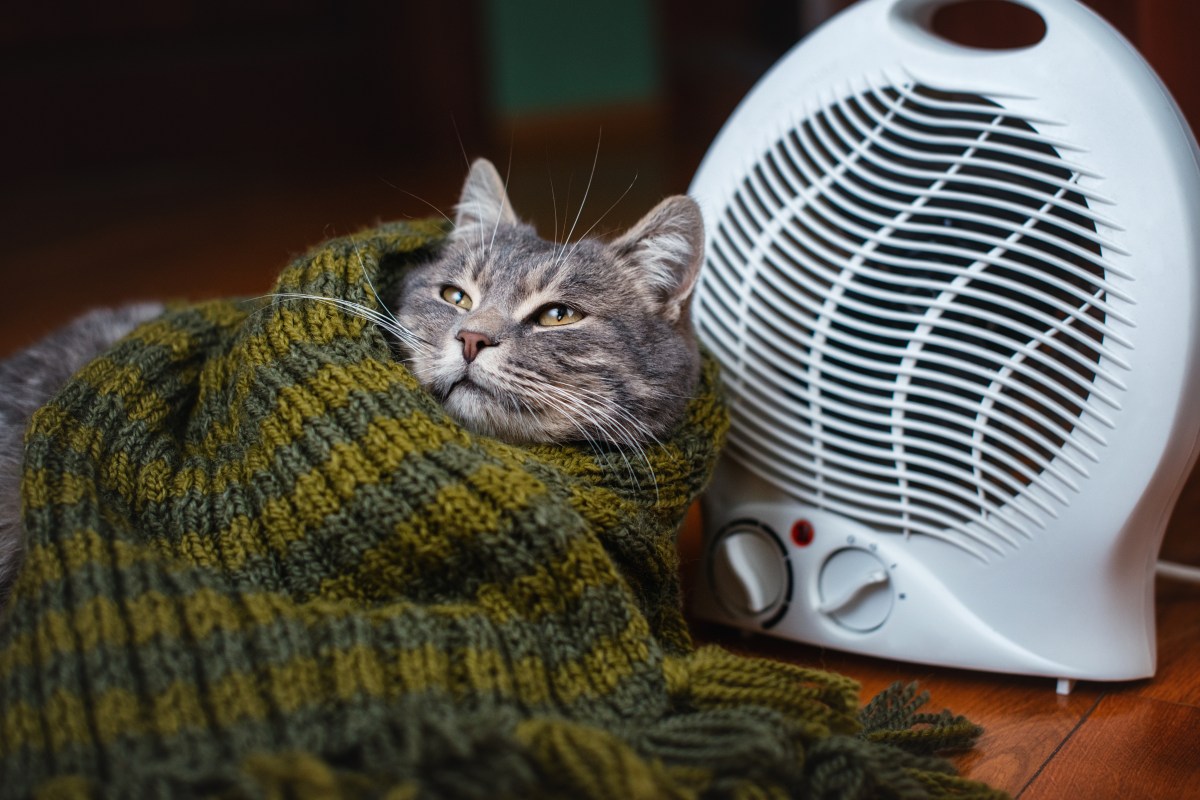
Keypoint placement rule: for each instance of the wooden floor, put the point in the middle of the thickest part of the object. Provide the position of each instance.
(1135, 740)
(77, 243)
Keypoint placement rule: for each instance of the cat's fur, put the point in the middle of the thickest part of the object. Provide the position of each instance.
(27, 380)
(619, 373)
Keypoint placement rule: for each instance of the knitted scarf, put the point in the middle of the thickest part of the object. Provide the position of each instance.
(262, 562)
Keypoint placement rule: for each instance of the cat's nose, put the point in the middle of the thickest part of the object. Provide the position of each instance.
(473, 342)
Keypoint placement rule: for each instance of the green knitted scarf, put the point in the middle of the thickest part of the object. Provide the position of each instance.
(262, 562)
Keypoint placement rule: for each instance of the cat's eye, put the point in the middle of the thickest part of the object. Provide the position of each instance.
(456, 297)
(558, 314)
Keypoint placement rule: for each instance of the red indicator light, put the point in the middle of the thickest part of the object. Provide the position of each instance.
(802, 533)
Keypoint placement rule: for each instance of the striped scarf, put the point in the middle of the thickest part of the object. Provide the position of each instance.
(262, 562)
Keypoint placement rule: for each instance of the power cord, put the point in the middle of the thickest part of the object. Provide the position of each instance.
(1179, 572)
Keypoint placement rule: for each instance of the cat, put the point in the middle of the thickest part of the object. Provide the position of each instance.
(28, 379)
(519, 338)
(525, 340)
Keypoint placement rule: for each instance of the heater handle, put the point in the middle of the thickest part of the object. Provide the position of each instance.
(1062, 19)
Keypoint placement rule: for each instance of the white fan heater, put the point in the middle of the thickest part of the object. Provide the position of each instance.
(954, 294)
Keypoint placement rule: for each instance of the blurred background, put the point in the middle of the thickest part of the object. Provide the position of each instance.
(189, 148)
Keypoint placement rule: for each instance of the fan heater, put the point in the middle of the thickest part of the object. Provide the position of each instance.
(954, 293)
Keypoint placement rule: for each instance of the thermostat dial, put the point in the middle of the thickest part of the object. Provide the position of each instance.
(748, 573)
(855, 589)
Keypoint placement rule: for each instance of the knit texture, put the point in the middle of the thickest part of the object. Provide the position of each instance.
(264, 563)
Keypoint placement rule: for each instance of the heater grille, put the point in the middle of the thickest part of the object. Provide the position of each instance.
(913, 307)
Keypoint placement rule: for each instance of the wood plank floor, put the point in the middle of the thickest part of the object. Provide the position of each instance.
(72, 245)
(1137, 740)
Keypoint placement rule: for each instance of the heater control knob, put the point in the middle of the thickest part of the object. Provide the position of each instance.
(855, 589)
(748, 573)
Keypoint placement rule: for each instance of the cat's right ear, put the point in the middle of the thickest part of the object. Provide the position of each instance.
(483, 206)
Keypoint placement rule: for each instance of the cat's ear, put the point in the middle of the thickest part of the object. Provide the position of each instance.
(483, 206)
(667, 247)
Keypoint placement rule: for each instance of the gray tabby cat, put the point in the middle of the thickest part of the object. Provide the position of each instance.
(27, 380)
(529, 341)
(519, 338)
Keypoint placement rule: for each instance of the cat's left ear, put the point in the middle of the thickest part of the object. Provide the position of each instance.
(483, 205)
(667, 246)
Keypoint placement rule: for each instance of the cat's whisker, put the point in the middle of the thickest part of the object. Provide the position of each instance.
(583, 202)
(371, 284)
(553, 199)
(439, 211)
(384, 321)
(619, 429)
(461, 147)
(634, 428)
(352, 308)
(504, 200)
(355, 309)
(525, 409)
(612, 434)
(638, 429)
(607, 211)
(564, 409)
(623, 412)
(413, 358)
(624, 429)
(422, 371)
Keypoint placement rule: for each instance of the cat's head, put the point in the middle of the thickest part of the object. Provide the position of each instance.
(532, 341)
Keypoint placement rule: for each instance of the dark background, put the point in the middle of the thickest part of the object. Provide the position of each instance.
(188, 147)
(157, 148)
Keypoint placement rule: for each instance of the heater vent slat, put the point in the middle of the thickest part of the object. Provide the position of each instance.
(1026, 434)
(996, 471)
(916, 313)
